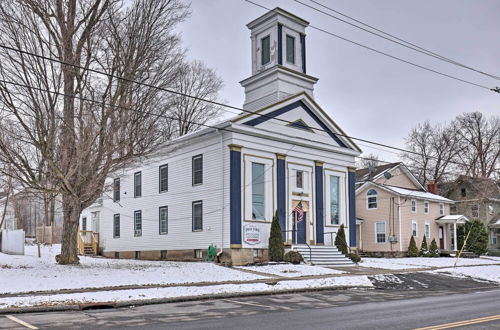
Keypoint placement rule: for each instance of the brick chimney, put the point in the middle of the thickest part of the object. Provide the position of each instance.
(432, 187)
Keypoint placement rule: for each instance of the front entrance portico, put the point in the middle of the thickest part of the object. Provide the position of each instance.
(448, 231)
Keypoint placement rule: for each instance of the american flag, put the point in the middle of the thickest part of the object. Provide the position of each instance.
(299, 211)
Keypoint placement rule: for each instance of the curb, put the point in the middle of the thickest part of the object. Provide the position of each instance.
(132, 303)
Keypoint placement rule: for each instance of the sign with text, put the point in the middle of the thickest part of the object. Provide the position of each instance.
(251, 234)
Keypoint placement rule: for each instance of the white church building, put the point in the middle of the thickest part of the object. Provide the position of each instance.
(222, 185)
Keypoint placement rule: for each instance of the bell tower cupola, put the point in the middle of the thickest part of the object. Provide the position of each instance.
(278, 59)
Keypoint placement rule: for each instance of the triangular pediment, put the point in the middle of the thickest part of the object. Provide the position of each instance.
(300, 117)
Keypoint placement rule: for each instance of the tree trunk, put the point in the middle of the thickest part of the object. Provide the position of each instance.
(69, 247)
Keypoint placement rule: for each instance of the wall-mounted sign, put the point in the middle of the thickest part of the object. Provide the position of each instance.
(251, 234)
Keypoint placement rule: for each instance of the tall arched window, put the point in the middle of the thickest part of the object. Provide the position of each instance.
(371, 197)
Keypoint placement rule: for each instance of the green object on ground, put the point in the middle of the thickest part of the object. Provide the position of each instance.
(210, 253)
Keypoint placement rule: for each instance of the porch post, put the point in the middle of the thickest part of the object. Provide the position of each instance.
(455, 245)
(235, 195)
(352, 206)
(281, 193)
(320, 237)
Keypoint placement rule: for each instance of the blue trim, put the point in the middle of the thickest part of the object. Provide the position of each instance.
(285, 109)
(319, 205)
(352, 209)
(303, 51)
(280, 44)
(281, 194)
(235, 196)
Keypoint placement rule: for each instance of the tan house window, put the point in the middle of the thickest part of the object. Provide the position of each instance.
(371, 199)
(414, 206)
(475, 211)
(414, 228)
(380, 232)
(426, 207)
(441, 209)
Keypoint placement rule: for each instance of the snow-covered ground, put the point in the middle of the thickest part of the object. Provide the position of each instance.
(289, 270)
(489, 273)
(412, 263)
(176, 292)
(29, 273)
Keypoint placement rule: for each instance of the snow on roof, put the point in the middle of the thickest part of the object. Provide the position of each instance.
(417, 194)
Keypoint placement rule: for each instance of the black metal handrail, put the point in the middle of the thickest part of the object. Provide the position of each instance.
(305, 240)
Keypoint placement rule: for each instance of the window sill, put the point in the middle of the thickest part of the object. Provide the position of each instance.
(197, 231)
(258, 221)
(163, 233)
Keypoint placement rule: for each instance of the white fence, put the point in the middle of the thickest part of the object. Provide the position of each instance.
(12, 241)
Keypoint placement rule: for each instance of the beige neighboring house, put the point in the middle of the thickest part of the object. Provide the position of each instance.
(392, 206)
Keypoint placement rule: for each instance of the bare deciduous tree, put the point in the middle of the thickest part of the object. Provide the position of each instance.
(369, 160)
(68, 142)
(435, 149)
(191, 113)
(481, 149)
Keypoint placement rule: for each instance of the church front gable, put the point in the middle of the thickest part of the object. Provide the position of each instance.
(297, 119)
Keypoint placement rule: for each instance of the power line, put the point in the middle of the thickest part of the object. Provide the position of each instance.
(390, 37)
(495, 89)
(181, 94)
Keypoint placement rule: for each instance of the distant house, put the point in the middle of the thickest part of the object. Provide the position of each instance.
(392, 206)
(222, 185)
(477, 198)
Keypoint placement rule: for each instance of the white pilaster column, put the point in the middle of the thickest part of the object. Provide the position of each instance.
(455, 235)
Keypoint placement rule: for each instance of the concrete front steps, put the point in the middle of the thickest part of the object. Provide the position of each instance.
(323, 255)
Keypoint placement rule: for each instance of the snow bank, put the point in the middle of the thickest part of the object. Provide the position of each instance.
(176, 292)
(412, 263)
(30, 273)
(488, 273)
(290, 270)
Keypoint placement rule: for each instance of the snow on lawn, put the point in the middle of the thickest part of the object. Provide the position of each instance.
(290, 270)
(412, 263)
(489, 273)
(30, 273)
(176, 292)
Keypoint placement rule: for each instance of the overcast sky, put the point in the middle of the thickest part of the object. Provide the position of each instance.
(370, 96)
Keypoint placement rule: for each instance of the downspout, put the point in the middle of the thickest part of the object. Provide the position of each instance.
(400, 231)
(223, 190)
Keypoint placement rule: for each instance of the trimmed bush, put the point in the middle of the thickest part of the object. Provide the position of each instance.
(433, 249)
(340, 241)
(276, 246)
(293, 257)
(412, 248)
(354, 257)
(424, 250)
(478, 238)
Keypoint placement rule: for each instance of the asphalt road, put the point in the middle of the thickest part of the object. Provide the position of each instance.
(402, 306)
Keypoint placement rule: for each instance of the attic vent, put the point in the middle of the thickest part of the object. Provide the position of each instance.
(300, 124)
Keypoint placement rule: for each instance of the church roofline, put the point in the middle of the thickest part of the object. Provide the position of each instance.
(277, 11)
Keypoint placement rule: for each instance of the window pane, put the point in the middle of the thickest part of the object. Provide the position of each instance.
(372, 199)
(334, 200)
(299, 176)
(116, 190)
(197, 169)
(380, 228)
(163, 220)
(84, 224)
(116, 225)
(197, 216)
(265, 50)
(138, 223)
(137, 184)
(163, 178)
(290, 49)
(258, 191)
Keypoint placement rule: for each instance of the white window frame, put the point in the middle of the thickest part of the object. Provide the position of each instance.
(268, 190)
(427, 231)
(115, 218)
(427, 206)
(160, 169)
(441, 208)
(137, 184)
(342, 198)
(193, 204)
(261, 43)
(414, 222)
(293, 48)
(411, 204)
(137, 232)
(385, 232)
(493, 238)
(376, 199)
(160, 221)
(193, 159)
